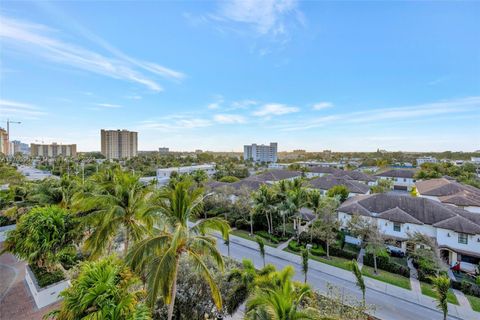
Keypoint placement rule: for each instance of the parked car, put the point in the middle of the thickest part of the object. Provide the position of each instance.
(395, 251)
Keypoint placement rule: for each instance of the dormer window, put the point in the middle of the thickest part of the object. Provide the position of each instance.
(463, 238)
(397, 227)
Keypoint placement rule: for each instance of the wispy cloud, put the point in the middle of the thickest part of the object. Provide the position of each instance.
(19, 109)
(174, 122)
(274, 109)
(322, 105)
(229, 118)
(41, 40)
(242, 104)
(266, 17)
(109, 105)
(390, 115)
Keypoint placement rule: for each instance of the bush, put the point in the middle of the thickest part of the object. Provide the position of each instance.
(466, 287)
(5, 221)
(45, 278)
(268, 236)
(318, 251)
(229, 179)
(295, 246)
(337, 252)
(242, 224)
(384, 263)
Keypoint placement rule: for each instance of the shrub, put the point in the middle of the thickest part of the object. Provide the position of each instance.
(295, 246)
(267, 236)
(46, 278)
(229, 179)
(466, 287)
(318, 251)
(5, 221)
(384, 263)
(337, 252)
(242, 224)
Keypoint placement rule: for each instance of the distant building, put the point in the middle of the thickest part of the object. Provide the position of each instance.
(260, 153)
(4, 141)
(119, 144)
(299, 151)
(163, 150)
(423, 160)
(475, 160)
(199, 151)
(19, 147)
(53, 150)
(163, 174)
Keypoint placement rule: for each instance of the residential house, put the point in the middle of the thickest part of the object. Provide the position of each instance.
(403, 179)
(456, 231)
(273, 176)
(450, 192)
(325, 183)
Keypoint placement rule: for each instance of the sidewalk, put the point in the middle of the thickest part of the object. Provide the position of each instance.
(415, 296)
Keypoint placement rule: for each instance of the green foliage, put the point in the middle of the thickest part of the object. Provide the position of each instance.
(340, 191)
(43, 236)
(229, 179)
(385, 263)
(441, 285)
(305, 256)
(104, 289)
(359, 277)
(465, 173)
(10, 175)
(45, 277)
(382, 186)
(261, 247)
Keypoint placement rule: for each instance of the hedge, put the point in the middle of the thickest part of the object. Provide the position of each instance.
(295, 246)
(268, 236)
(466, 287)
(337, 252)
(384, 263)
(242, 224)
(318, 251)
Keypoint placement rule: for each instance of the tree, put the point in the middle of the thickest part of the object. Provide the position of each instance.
(441, 284)
(261, 247)
(42, 237)
(160, 253)
(264, 204)
(382, 186)
(104, 289)
(199, 176)
(359, 277)
(120, 204)
(305, 263)
(280, 301)
(340, 190)
(375, 245)
(327, 224)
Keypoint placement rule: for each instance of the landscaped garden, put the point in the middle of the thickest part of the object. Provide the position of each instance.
(474, 302)
(388, 277)
(427, 289)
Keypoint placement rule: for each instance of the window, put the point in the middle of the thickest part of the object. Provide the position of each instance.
(404, 180)
(397, 226)
(463, 238)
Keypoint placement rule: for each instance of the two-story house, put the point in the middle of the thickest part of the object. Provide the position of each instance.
(403, 179)
(325, 183)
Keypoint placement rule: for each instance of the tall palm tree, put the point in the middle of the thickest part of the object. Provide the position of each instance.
(264, 203)
(305, 254)
(161, 253)
(103, 289)
(441, 284)
(280, 301)
(120, 204)
(261, 247)
(359, 277)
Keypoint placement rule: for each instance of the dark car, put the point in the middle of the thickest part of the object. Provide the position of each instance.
(395, 251)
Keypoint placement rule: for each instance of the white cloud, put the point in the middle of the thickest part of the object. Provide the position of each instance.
(229, 118)
(265, 16)
(213, 106)
(19, 109)
(242, 104)
(322, 105)
(274, 109)
(37, 39)
(109, 105)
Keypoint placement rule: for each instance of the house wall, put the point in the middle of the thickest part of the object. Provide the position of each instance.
(450, 238)
(405, 182)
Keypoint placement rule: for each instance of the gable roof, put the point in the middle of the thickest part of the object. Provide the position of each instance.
(450, 191)
(275, 175)
(424, 210)
(398, 215)
(328, 182)
(355, 175)
(397, 173)
(319, 169)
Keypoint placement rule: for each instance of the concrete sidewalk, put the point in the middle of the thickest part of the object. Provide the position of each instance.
(459, 312)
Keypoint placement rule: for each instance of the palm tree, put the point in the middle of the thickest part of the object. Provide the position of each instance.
(247, 278)
(120, 204)
(441, 284)
(161, 253)
(280, 301)
(104, 289)
(261, 247)
(264, 203)
(358, 275)
(305, 263)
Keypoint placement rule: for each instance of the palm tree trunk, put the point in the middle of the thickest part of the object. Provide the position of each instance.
(284, 227)
(271, 223)
(251, 224)
(328, 250)
(268, 222)
(127, 240)
(174, 293)
(375, 263)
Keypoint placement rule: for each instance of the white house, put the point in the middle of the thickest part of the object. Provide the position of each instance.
(456, 231)
(423, 160)
(403, 179)
(163, 174)
(273, 176)
(325, 183)
(449, 191)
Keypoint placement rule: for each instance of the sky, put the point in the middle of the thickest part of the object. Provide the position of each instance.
(215, 75)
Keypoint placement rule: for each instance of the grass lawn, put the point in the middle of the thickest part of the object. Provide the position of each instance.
(246, 235)
(333, 261)
(427, 289)
(388, 277)
(474, 302)
(351, 247)
(400, 261)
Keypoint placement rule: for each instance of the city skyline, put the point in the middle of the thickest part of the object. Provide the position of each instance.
(314, 76)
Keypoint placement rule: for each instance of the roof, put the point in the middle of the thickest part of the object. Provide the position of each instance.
(328, 182)
(306, 214)
(450, 191)
(236, 187)
(397, 173)
(355, 175)
(398, 215)
(275, 175)
(407, 209)
(320, 169)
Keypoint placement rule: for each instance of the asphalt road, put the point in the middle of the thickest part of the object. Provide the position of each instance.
(386, 307)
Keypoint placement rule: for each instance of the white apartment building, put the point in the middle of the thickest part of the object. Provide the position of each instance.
(456, 231)
(18, 146)
(119, 144)
(163, 174)
(403, 179)
(163, 150)
(261, 153)
(53, 150)
(423, 160)
(4, 144)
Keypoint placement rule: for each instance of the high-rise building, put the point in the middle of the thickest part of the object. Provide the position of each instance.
(163, 150)
(4, 144)
(119, 144)
(53, 150)
(18, 146)
(261, 153)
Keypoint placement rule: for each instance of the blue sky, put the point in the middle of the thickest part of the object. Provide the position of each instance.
(345, 76)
